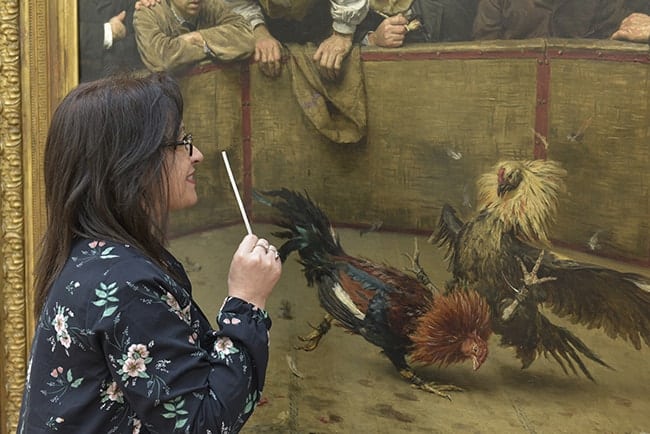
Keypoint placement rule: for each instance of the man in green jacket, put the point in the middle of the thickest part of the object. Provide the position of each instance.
(176, 34)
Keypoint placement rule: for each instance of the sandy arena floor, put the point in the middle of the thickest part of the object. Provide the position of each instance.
(347, 386)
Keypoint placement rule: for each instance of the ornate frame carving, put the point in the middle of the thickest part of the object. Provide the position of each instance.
(38, 49)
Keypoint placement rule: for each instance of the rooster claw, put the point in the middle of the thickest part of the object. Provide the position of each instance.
(439, 389)
(530, 277)
(314, 337)
(415, 259)
(418, 271)
(312, 340)
(431, 387)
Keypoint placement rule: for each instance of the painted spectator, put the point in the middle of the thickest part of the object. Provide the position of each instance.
(329, 24)
(522, 19)
(176, 34)
(393, 24)
(106, 38)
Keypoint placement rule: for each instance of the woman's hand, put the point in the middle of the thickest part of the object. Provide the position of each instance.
(254, 270)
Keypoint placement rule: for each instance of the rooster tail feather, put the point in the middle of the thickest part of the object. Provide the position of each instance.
(307, 228)
(564, 346)
(259, 196)
(449, 226)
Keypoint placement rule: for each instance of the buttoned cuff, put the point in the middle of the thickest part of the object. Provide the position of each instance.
(256, 22)
(344, 28)
(108, 36)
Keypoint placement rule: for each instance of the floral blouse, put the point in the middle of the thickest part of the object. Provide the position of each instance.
(120, 347)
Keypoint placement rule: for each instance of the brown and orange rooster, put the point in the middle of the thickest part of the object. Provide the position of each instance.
(388, 307)
(503, 252)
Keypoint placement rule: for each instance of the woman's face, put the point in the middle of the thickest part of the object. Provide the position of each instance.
(181, 167)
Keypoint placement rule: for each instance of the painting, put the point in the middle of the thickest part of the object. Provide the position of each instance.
(439, 114)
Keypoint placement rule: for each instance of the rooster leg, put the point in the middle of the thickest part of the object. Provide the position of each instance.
(530, 279)
(397, 357)
(417, 269)
(520, 296)
(313, 338)
(431, 387)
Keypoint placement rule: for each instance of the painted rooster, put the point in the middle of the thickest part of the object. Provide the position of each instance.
(389, 308)
(503, 252)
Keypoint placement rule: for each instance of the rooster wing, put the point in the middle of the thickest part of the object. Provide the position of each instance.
(376, 301)
(595, 296)
(496, 273)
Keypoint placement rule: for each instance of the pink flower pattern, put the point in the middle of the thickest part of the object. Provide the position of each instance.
(112, 338)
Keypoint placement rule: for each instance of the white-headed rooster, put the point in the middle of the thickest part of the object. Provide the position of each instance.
(503, 253)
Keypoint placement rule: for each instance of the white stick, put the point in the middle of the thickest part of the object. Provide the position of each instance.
(236, 191)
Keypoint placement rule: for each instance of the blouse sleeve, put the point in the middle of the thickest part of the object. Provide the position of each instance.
(177, 373)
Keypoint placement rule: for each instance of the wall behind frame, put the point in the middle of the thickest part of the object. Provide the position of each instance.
(436, 120)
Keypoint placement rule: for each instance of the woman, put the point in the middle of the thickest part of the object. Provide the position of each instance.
(120, 345)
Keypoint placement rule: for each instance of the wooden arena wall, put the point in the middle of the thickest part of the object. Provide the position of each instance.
(437, 120)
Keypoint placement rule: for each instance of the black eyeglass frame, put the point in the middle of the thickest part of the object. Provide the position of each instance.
(186, 141)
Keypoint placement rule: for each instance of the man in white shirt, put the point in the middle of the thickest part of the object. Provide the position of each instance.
(330, 24)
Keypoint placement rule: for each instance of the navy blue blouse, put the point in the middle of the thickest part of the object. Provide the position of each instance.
(121, 347)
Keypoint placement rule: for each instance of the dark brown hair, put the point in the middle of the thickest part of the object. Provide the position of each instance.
(105, 174)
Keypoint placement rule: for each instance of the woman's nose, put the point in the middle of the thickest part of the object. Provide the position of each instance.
(197, 155)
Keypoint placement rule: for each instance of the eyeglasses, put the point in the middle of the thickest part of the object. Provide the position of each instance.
(185, 141)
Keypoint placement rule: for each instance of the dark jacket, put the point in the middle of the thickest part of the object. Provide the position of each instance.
(94, 60)
(522, 19)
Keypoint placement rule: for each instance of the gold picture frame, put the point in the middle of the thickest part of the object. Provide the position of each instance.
(38, 66)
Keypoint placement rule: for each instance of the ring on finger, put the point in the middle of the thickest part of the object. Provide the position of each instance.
(259, 245)
(274, 250)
